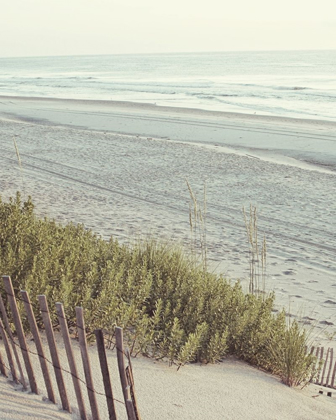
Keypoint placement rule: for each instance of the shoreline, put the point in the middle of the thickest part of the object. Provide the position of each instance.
(163, 108)
(283, 140)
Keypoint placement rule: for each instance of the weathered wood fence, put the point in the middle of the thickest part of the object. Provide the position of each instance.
(325, 367)
(13, 367)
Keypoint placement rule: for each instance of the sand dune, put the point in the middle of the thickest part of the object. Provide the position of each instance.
(226, 391)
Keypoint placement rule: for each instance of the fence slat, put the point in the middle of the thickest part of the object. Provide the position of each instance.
(38, 344)
(122, 373)
(19, 330)
(129, 404)
(86, 362)
(8, 352)
(71, 359)
(53, 352)
(325, 366)
(105, 373)
(131, 383)
(330, 366)
(332, 382)
(322, 365)
(317, 363)
(11, 339)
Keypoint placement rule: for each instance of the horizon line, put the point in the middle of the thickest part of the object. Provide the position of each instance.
(170, 53)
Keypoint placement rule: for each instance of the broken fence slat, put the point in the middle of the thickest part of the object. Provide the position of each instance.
(129, 404)
(122, 373)
(131, 383)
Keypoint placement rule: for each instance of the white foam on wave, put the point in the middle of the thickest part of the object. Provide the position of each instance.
(273, 83)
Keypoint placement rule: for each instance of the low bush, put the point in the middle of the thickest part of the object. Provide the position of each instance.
(169, 307)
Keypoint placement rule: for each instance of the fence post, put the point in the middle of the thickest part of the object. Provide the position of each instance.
(11, 338)
(105, 373)
(122, 373)
(8, 352)
(38, 344)
(86, 362)
(71, 359)
(53, 352)
(19, 330)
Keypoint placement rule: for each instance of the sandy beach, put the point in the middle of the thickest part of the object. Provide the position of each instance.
(120, 169)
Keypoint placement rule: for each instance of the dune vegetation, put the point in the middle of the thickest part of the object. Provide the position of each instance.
(169, 307)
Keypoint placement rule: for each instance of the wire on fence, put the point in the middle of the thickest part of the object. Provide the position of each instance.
(58, 367)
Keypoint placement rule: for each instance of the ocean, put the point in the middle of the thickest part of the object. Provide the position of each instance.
(299, 84)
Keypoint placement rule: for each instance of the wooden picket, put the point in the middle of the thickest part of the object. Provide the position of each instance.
(125, 372)
(71, 359)
(53, 352)
(8, 352)
(106, 375)
(325, 367)
(38, 344)
(86, 362)
(123, 376)
(11, 340)
(20, 333)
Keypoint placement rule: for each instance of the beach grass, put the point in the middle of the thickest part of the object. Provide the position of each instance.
(169, 307)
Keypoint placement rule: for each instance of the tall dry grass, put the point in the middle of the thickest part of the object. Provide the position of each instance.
(257, 252)
(197, 224)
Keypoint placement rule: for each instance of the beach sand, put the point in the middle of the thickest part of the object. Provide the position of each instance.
(120, 169)
(225, 391)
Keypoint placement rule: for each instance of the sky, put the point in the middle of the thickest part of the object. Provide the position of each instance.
(76, 27)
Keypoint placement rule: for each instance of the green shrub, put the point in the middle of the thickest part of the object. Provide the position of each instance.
(168, 307)
(289, 357)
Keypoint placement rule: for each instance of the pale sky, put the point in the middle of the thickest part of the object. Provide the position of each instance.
(69, 27)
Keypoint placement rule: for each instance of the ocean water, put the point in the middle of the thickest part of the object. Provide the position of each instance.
(289, 83)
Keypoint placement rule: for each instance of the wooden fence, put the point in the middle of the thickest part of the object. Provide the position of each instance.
(325, 367)
(14, 368)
